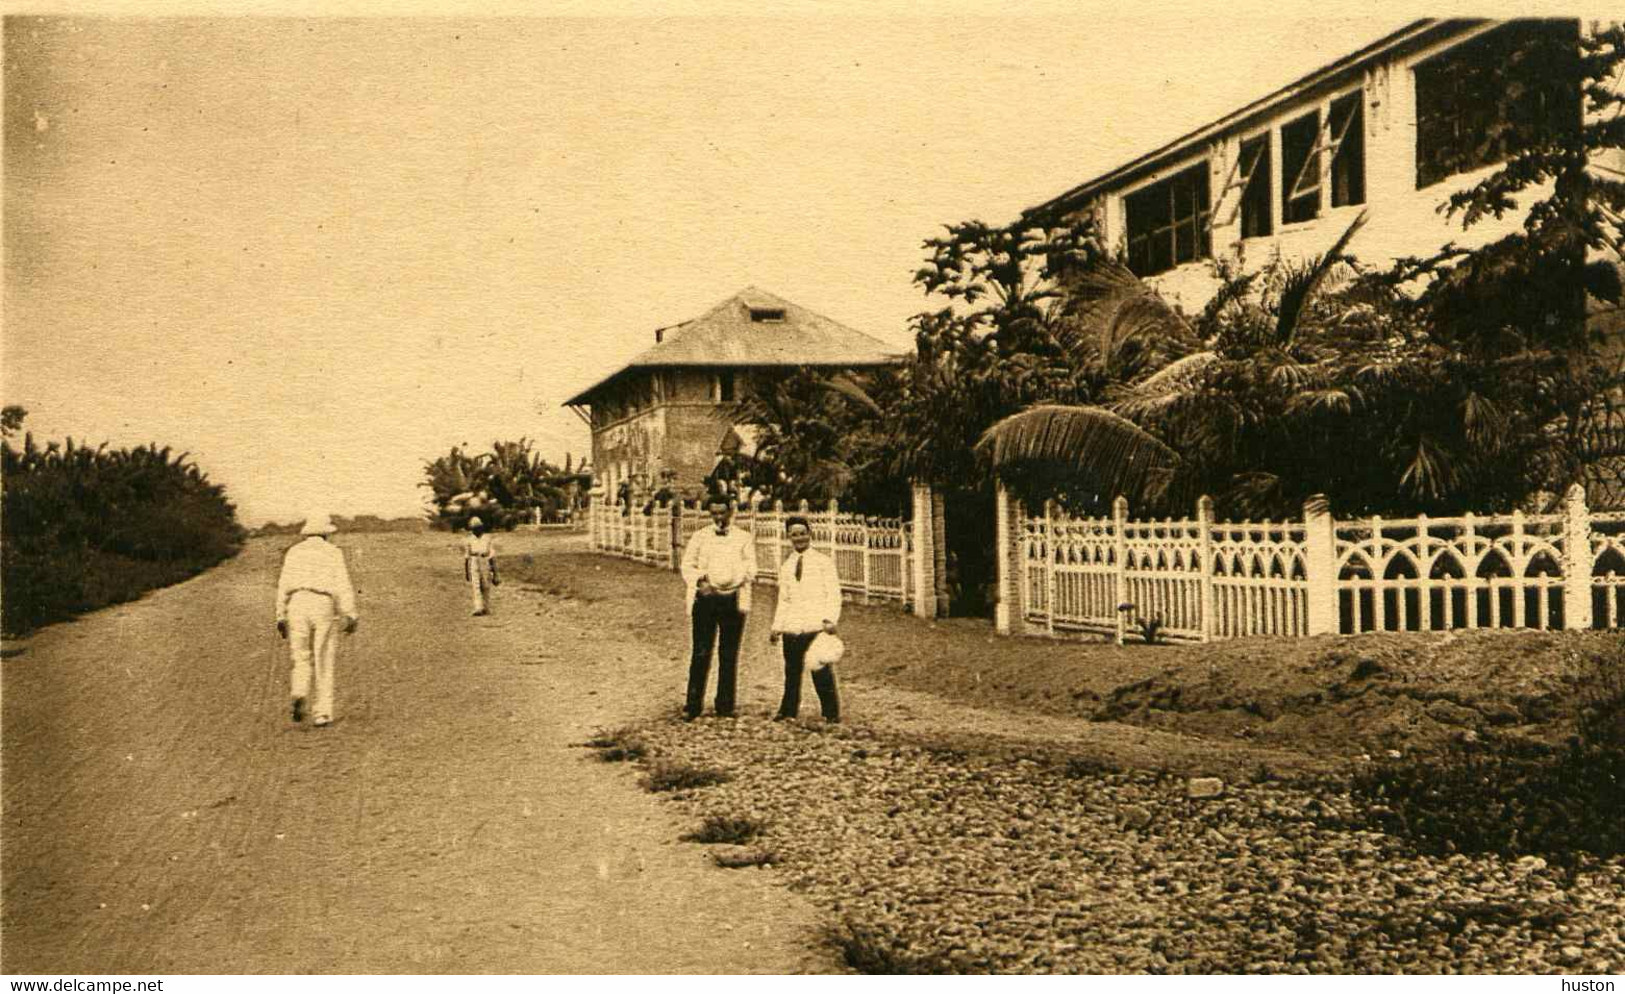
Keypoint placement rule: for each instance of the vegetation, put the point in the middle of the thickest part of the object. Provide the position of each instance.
(504, 487)
(620, 745)
(666, 775)
(726, 830)
(84, 527)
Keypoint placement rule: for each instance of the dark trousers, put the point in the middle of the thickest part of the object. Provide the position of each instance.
(717, 619)
(795, 660)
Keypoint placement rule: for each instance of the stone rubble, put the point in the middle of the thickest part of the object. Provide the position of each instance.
(974, 862)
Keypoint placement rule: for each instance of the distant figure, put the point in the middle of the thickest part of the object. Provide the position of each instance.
(480, 565)
(809, 605)
(314, 598)
(719, 565)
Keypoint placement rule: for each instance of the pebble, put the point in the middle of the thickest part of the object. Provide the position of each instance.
(969, 862)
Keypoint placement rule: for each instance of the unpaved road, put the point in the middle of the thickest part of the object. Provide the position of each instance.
(162, 815)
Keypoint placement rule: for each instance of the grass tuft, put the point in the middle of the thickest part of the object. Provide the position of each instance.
(871, 951)
(619, 745)
(667, 776)
(738, 860)
(726, 830)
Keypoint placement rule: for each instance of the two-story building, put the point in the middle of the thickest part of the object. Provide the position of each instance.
(1391, 129)
(668, 414)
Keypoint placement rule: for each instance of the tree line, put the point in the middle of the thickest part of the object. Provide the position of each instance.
(85, 527)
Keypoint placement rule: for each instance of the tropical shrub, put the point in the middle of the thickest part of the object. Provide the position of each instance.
(84, 527)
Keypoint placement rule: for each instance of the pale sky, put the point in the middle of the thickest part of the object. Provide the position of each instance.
(316, 252)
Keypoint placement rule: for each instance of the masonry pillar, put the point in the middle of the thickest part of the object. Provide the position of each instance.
(923, 564)
(1320, 563)
(1576, 560)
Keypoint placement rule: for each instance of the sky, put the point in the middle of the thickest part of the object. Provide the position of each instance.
(315, 251)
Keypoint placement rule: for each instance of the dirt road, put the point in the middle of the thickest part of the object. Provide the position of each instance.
(162, 815)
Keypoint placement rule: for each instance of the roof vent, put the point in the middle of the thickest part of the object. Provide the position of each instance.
(761, 314)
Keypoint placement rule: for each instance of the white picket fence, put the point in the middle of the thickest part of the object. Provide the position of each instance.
(874, 556)
(1204, 579)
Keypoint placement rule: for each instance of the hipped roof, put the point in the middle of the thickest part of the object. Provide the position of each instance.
(725, 336)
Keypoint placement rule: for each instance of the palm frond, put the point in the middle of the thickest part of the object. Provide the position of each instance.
(1302, 282)
(1108, 307)
(1115, 453)
(849, 388)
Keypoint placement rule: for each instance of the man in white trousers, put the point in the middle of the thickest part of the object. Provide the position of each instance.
(314, 600)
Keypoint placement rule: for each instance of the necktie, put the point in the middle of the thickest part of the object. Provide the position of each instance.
(722, 531)
(798, 569)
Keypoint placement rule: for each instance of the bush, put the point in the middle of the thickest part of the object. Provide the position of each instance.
(880, 952)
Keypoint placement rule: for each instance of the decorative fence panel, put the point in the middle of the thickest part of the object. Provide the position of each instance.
(1201, 579)
(873, 555)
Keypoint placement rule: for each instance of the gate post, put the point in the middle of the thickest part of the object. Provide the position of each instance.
(1204, 524)
(1576, 560)
(923, 566)
(1120, 522)
(1320, 565)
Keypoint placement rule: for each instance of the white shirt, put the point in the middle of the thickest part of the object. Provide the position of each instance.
(805, 604)
(315, 564)
(480, 545)
(727, 561)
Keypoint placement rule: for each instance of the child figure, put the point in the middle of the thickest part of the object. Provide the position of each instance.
(480, 565)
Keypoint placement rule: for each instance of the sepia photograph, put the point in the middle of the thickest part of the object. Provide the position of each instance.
(811, 489)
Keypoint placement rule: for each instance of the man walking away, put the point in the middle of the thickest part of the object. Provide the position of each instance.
(809, 603)
(719, 565)
(314, 600)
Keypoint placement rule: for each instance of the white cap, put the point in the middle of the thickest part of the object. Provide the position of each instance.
(475, 522)
(318, 524)
(825, 649)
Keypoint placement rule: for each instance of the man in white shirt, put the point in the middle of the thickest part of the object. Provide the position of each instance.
(809, 603)
(314, 599)
(480, 565)
(719, 565)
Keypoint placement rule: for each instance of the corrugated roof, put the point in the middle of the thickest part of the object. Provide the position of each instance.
(727, 336)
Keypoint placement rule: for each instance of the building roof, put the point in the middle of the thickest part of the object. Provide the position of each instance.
(779, 334)
(1410, 37)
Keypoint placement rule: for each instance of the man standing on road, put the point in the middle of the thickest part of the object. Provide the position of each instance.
(809, 603)
(480, 565)
(719, 565)
(314, 599)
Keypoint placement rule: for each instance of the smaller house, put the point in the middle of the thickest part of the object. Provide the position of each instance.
(667, 416)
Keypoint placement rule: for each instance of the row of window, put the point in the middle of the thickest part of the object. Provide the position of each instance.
(642, 395)
(1474, 104)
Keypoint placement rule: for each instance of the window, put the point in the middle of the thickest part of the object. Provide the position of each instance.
(1300, 169)
(760, 314)
(1168, 222)
(1255, 198)
(1482, 100)
(722, 387)
(1347, 121)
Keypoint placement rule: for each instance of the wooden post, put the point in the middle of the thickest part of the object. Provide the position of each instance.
(835, 539)
(863, 548)
(1049, 567)
(1576, 560)
(1007, 562)
(1205, 607)
(677, 533)
(1120, 519)
(1320, 564)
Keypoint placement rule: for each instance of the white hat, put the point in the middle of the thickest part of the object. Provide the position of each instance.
(318, 524)
(825, 649)
(475, 522)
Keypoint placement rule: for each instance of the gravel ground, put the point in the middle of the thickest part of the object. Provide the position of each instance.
(1021, 805)
(934, 860)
